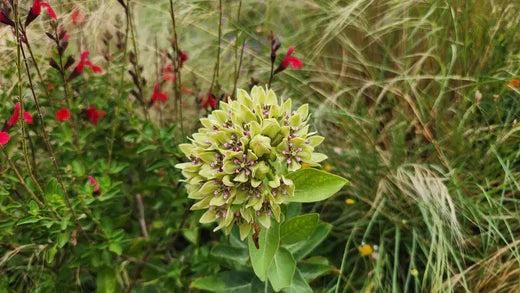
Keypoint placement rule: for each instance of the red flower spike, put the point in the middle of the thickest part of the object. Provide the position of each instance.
(16, 115)
(186, 90)
(4, 137)
(63, 114)
(36, 7)
(93, 114)
(28, 117)
(50, 86)
(158, 95)
(94, 183)
(168, 74)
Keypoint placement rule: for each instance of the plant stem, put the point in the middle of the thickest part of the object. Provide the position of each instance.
(177, 61)
(217, 64)
(238, 62)
(50, 151)
(13, 166)
(27, 44)
(20, 99)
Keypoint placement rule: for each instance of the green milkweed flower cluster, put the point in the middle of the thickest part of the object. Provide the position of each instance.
(239, 159)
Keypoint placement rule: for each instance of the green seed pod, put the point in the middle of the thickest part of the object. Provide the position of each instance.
(239, 157)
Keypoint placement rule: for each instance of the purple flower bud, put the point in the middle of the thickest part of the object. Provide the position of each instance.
(248, 172)
(269, 213)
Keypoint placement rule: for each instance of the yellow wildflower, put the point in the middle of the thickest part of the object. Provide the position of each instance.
(414, 272)
(326, 167)
(305, 165)
(350, 201)
(365, 249)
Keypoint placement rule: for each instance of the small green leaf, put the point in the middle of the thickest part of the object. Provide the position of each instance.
(28, 220)
(298, 228)
(51, 253)
(63, 238)
(282, 270)
(78, 169)
(145, 148)
(314, 267)
(106, 280)
(312, 185)
(261, 258)
(116, 248)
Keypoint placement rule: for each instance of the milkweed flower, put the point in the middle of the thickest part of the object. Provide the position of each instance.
(93, 114)
(63, 114)
(4, 137)
(239, 159)
(36, 10)
(289, 60)
(27, 117)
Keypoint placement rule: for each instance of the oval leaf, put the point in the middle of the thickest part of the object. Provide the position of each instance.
(269, 241)
(312, 185)
(282, 270)
(298, 228)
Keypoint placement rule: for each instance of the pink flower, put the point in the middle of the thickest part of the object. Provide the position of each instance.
(93, 114)
(16, 115)
(158, 95)
(28, 117)
(94, 183)
(63, 114)
(4, 137)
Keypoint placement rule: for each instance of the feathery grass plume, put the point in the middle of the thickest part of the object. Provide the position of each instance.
(240, 157)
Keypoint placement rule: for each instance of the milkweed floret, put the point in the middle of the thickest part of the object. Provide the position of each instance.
(239, 159)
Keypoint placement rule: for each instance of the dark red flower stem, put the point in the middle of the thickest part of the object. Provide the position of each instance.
(177, 61)
(66, 88)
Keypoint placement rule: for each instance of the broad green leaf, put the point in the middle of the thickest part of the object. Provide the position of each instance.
(225, 282)
(261, 258)
(106, 280)
(282, 269)
(299, 285)
(298, 228)
(302, 249)
(312, 185)
(231, 253)
(116, 248)
(314, 267)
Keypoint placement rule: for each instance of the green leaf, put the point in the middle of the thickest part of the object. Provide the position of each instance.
(314, 267)
(63, 238)
(78, 168)
(28, 220)
(298, 228)
(116, 248)
(51, 253)
(106, 280)
(282, 270)
(225, 282)
(230, 253)
(312, 185)
(302, 249)
(299, 285)
(269, 241)
(145, 148)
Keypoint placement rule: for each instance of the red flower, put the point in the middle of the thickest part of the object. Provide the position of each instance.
(168, 74)
(94, 183)
(295, 62)
(4, 137)
(16, 115)
(81, 66)
(50, 86)
(36, 10)
(77, 18)
(63, 114)
(93, 114)
(27, 117)
(210, 101)
(186, 90)
(158, 95)
(183, 58)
